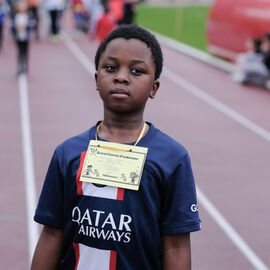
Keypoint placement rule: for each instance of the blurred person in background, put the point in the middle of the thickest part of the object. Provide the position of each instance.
(129, 10)
(12, 12)
(3, 12)
(266, 54)
(95, 10)
(80, 16)
(116, 8)
(55, 9)
(22, 27)
(106, 22)
(33, 10)
(250, 67)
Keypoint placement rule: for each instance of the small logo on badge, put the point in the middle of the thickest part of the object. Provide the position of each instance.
(93, 150)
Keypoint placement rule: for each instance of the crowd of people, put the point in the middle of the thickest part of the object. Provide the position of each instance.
(253, 66)
(96, 18)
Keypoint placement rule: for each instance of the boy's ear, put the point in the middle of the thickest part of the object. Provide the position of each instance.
(154, 89)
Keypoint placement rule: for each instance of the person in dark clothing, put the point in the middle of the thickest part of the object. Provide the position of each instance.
(21, 25)
(128, 12)
(34, 16)
(266, 50)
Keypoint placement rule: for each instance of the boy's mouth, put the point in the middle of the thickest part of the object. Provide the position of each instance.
(119, 92)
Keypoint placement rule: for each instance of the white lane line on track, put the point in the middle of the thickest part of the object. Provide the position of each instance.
(213, 102)
(83, 59)
(233, 235)
(29, 175)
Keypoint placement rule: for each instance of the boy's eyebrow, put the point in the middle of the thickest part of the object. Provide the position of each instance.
(139, 62)
(135, 61)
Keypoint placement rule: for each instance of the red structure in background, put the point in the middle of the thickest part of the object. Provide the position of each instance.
(232, 23)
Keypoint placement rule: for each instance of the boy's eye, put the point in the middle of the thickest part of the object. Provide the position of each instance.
(136, 71)
(110, 68)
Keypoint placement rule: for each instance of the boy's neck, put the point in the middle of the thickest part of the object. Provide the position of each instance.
(123, 130)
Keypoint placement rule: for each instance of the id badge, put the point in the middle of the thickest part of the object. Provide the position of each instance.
(114, 164)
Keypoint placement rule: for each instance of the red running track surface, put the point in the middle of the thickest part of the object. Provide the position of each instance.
(230, 161)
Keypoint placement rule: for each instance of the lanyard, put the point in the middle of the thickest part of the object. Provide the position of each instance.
(112, 148)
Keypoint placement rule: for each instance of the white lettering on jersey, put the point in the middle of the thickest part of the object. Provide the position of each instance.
(99, 224)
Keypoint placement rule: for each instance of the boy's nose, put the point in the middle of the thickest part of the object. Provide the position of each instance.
(121, 76)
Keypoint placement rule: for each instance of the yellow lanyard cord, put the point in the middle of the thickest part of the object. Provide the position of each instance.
(118, 149)
(141, 133)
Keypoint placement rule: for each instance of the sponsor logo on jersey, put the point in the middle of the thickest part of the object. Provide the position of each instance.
(101, 225)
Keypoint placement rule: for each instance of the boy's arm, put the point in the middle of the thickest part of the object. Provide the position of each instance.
(48, 250)
(176, 252)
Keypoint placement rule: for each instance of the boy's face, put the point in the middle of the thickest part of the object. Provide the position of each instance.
(126, 76)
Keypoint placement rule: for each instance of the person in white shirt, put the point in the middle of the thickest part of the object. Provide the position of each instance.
(55, 9)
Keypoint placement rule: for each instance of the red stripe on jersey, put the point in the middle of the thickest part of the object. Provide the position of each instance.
(113, 260)
(120, 194)
(79, 183)
(77, 254)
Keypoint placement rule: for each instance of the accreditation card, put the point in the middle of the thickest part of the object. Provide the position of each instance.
(114, 164)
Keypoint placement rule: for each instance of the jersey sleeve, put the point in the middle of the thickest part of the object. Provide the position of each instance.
(50, 206)
(179, 202)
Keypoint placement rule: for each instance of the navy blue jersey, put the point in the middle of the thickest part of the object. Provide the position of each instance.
(109, 228)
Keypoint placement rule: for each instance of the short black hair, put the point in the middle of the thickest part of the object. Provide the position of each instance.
(134, 31)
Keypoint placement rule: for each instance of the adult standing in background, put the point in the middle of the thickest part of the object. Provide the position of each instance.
(55, 9)
(33, 9)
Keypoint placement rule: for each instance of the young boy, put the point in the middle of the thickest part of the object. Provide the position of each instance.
(93, 226)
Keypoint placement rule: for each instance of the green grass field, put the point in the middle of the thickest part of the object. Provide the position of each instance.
(186, 24)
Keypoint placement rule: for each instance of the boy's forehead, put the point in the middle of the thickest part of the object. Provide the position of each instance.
(122, 45)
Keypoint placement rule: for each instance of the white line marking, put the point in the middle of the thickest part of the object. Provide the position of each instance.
(29, 175)
(83, 59)
(214, 213)
(194, 90)
(231, 232)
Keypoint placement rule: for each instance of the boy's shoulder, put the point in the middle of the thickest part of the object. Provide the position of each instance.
(165, 144)
(167, 141)
(166, 155)
(73, 146)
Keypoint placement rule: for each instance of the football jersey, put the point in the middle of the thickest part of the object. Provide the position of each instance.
(110, 228)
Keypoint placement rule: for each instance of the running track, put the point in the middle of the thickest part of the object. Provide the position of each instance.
(224, 126)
